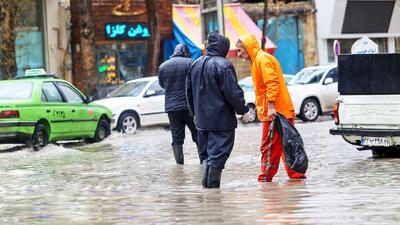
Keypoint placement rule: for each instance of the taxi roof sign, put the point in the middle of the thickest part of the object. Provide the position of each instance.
(35, 72)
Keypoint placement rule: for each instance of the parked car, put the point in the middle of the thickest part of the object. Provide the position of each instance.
(313, 91)
(137, 103)
(249, 95)
(37, 109)
(288, 78)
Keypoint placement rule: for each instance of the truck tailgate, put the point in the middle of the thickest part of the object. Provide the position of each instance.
(372, 111)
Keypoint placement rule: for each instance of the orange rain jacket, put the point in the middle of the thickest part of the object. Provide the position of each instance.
(269, 84)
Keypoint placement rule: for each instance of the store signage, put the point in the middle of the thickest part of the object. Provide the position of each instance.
(126, 31)
(364, 46)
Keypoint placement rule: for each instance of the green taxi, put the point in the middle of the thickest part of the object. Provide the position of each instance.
(37, 109)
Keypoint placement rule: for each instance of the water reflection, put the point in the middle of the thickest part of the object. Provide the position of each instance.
(282, 201)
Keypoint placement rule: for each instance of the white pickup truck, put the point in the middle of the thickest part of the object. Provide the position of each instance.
(367, 111)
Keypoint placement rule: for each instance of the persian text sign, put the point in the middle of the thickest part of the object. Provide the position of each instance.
(126, 31)
(364, 46)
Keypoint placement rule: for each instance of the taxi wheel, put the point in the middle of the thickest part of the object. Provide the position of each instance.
(102, 131)
(40, 137)
(128, 123)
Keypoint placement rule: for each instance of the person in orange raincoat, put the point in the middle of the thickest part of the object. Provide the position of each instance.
(272, 96)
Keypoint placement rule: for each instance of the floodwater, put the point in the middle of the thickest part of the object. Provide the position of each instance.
(133, 179)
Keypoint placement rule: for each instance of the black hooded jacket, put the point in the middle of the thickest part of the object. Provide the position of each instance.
(172, 75)
(212, 90)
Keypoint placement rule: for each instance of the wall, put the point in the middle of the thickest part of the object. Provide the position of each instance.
(330, 20)
(310, 42)
(325, 10)
(302, 11)
(56, 38)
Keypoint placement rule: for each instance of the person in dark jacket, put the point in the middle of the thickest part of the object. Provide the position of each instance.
(172, 76)
(214, 96)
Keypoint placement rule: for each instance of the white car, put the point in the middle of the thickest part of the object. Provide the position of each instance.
(249, 95)
(314, 91)
(137, 103)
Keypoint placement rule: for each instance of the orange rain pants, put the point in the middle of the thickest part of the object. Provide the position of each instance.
(270, 161)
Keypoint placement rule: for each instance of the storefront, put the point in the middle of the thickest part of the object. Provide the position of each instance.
(118, 63)
(122, 34)
(187, 29)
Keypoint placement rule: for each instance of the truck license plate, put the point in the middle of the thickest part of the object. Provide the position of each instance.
(376, 141)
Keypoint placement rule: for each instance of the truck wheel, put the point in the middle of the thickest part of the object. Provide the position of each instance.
(128, 123)
(40, 137)
(103, 130)
(309, 110)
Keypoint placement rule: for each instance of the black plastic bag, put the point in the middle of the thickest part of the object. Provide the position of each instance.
(292, 144)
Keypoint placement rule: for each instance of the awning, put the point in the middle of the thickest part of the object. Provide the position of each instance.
(186, 19)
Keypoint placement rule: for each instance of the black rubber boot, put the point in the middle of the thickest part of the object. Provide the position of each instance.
(178, 154)
(205, 173)
(214, 177)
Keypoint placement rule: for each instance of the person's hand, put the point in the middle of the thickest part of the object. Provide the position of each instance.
(246, 117)
(271, 111)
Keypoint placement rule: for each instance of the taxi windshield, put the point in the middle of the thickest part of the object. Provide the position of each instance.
(16, 91)
(132, 89)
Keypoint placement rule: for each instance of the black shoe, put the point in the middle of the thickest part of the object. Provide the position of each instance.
(178, 153)
(214, 177)
(205, 173)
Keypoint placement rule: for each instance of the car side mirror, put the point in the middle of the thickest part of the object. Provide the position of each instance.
(150, 93)
(89, 99)
(328, 80)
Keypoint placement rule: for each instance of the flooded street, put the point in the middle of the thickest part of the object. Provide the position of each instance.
(133, 179)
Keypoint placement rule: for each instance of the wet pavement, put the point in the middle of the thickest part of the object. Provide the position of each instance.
(133, 179)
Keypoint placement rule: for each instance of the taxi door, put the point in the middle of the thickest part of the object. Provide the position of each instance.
(83, 118)
(56, 111)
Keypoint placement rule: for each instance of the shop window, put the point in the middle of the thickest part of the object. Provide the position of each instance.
(30, 14)
(397, 40)
(119, 63)
(29, 51)
(346, 44)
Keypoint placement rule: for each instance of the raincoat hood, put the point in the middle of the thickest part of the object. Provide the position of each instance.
(251, 44)
(181, 50)
(217, 45)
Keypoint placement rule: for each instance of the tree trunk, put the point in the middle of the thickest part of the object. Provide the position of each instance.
(277, 16)
(155, 37)
(8, 61)
(89, 78)
(264, 26)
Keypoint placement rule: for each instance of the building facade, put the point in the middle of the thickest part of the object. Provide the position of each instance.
(291, 26)
(122, 35)
(349, 20)
(42, 33)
